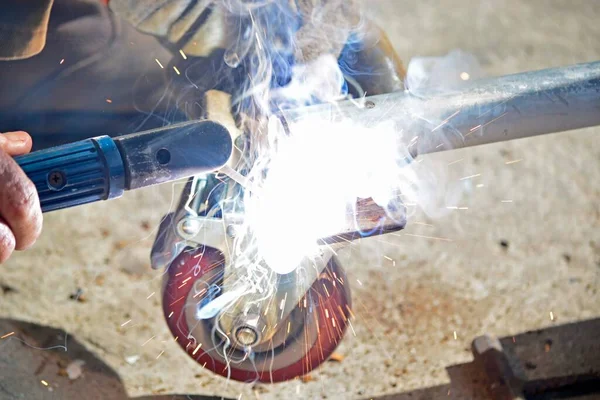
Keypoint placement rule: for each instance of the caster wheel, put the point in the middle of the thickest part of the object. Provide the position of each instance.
(301, 342)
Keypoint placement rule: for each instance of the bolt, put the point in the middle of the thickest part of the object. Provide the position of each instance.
(231, 231)
(190, 226)
(246, 336)
(56, 180)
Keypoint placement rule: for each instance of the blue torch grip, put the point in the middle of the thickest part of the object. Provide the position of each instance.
(76, 173)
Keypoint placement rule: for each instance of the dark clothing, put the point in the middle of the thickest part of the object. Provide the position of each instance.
(96, 75)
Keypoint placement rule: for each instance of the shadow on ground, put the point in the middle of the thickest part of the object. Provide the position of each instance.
(556, 362)
(32, 356)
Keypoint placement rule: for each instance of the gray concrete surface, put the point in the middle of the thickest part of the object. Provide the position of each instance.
(407, 314)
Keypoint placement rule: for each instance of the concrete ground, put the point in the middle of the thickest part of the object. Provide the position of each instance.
(524, 255)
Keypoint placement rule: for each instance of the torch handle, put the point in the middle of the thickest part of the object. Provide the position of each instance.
(76, 173)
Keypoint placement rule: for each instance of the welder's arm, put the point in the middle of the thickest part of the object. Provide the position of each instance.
(202, 30)
(20, 213)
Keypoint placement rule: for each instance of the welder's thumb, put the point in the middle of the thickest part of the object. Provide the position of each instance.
(15, 143)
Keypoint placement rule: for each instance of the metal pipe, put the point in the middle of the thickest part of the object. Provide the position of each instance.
(478, 112)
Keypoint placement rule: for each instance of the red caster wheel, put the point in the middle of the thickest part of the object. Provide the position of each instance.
(295, 345)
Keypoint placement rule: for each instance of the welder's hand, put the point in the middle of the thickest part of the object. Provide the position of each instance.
(20, 212)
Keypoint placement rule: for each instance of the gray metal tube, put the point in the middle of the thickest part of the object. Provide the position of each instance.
(479, 112)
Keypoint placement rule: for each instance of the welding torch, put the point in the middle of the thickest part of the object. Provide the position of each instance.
(103, 168)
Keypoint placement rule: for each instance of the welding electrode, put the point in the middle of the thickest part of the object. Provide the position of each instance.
(102, 168)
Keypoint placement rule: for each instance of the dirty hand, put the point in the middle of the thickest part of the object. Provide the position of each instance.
(20, 213)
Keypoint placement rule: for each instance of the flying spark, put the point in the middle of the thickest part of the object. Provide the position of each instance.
(62, 61)
(444, 122)
(551, 316)
(158, 62)
(513, 161)
(160, 354)
(44, 382)
(148, 341)
(7, 335)
(125, 323)
(428, 237)
(506, 201)
(422, 223)
(455, 336)
(470, 176)
(457, 161)
(196, 349)
(351, 327)
(183, 54)
(176, 70)
(150, 295)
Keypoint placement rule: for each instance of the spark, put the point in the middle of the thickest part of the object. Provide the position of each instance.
(551, 316)
(428, 237)
(506, 201)
(327, 313)
(196, 349)
(513, 161)
(108, 101)
(148, 341)
(469, 177)
(171, 314)
(486, 124)
(465, 76)
(457, 161)
(444, 122)
(150, 295)
(359, 282)
(176, 70)
(514, 339)
(351, 327)
(388, 258)
(183, 54)
(7, 335)
(158, 62)
(44, 382)
(289, 326)
(62, 61)
(160, 354)
(480, 185)
(423, 223)
(463, 208)
(455, 336)
(125, 323)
